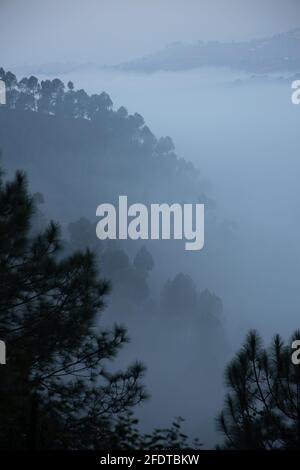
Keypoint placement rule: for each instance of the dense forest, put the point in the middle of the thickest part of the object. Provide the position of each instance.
(68, 141)
(118, 149)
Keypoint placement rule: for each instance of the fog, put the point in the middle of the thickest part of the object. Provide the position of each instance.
(243, 138)
(242, 135)
(112, 31)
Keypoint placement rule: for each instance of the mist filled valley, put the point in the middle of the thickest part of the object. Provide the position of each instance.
(240, 132)
(137, 342)
(186, 312)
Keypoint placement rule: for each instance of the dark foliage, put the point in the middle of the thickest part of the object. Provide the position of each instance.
(55, 390)
(262, 408)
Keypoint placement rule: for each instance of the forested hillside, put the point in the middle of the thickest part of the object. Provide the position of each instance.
(78, 151)
(53, 129)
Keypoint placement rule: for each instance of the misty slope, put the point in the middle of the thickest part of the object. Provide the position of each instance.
(70, 141)
(79, 152)
(276, 54)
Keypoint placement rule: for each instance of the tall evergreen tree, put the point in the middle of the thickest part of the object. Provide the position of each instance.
(262, 408)
(55, 391)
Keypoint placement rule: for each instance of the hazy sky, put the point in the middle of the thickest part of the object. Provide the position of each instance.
(109, 31)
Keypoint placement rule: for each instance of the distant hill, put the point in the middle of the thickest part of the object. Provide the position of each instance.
(280, 53)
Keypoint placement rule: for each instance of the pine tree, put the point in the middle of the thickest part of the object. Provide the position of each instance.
(55, 391)
(262, 408)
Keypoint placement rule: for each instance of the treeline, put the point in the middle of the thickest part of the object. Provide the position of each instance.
(79, 155)
(109, 151)
(53, 97)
